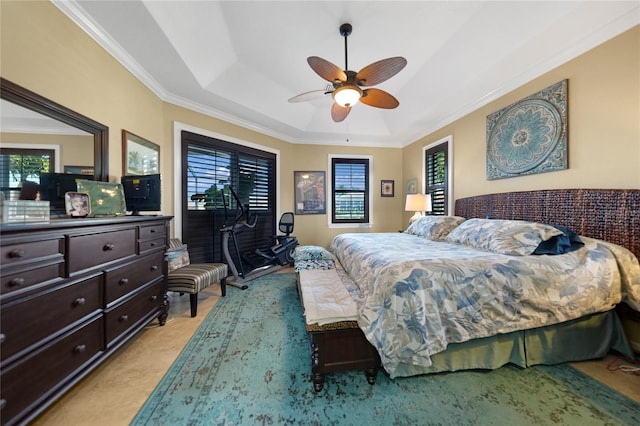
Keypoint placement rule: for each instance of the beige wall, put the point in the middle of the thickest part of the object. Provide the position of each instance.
(603, 135)
(75, 150)
(42, 50)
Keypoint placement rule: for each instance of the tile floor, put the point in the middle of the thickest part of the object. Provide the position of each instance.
(113, 393)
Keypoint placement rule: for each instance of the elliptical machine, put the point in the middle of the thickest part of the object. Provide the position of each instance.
(264, 260)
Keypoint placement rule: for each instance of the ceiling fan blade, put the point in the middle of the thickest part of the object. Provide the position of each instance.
(379, 99)
(326, 69)
(339, 113)
(380, 71)
(307, 96)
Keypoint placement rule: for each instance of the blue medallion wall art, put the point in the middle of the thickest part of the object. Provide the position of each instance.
(529, 136)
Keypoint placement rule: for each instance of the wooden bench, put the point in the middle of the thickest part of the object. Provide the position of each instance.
(337, 346)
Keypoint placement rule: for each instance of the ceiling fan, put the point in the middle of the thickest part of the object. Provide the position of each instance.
(346, 86)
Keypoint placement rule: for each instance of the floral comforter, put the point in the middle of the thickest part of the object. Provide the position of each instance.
(418, 295)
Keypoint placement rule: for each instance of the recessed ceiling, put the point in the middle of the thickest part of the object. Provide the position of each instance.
(17, 119)
(241, 61)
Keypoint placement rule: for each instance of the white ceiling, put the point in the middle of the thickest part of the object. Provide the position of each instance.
(16, 119)
(241, 61)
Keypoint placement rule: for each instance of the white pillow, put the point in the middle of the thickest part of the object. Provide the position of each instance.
(435, 228)
(512, 237)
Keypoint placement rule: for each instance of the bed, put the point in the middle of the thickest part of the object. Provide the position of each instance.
(445, 298)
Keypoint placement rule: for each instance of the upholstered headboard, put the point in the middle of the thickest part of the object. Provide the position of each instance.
(607, 214)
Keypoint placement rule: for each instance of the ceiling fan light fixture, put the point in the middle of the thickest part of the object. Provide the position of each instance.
(347, 96)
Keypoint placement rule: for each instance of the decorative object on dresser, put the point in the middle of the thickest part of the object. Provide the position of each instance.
(72, 292)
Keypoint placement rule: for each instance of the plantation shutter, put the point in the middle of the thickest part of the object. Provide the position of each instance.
(437, 178)
(210, 166)
(350, 189)
(18, 164)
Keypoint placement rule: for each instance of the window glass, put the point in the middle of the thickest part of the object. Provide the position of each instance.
(350, 189)
(17, 165)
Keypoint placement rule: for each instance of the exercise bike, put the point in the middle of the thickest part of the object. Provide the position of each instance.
(262, 261)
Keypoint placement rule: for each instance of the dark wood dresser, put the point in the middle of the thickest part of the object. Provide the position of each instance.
(72, 292)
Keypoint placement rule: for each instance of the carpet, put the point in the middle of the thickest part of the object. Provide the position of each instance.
(249, 363)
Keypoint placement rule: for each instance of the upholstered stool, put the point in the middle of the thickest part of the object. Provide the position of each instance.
(187, 277)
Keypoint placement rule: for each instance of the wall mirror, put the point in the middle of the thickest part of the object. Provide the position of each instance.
(39, 135)
(96, 134)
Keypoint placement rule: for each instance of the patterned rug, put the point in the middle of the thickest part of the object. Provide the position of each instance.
(249, 363)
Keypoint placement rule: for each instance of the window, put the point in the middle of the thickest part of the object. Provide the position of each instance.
(18, 164)
(350, 190)
(437, 170)
(210, 167)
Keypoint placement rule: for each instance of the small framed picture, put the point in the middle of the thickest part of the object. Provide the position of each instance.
(387, 188)
(412, 186)
(77, 204)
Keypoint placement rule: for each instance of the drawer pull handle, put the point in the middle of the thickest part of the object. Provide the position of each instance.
(79, 349)
(16, 282)
(152, 244)
(16, 253)
(154, 298)
(124, 318)
(152, 231)
(154, 267)
(3, 337)
(79, 301)
(108, 247)
(124, 281)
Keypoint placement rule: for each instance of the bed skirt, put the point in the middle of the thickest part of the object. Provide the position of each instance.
(585, 338)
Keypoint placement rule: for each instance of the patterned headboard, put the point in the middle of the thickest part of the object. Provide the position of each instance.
(606, 214)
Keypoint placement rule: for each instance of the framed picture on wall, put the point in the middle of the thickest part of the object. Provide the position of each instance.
(309, 192)
(79, 170)
(412, 186)
(387, 188)
(139, 156)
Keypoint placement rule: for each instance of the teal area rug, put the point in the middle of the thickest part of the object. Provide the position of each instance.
(249, 363)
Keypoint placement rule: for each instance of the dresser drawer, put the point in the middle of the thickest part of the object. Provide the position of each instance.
(86, 251)
(31, 276)
(153, 231)
(34, 319)
(121, 280)
(25, 252)
(127, 315)
(46, 370)
(146, 246)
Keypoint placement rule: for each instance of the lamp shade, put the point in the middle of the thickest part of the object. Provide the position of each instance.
(347, 95)
(417, 203)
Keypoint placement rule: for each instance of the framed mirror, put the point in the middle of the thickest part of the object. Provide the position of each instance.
(25, 98)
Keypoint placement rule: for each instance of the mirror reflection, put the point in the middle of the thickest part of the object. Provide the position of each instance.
(31, 144)
(45, 148)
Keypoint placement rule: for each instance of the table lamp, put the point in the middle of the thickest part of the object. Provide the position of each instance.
(417, 203)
